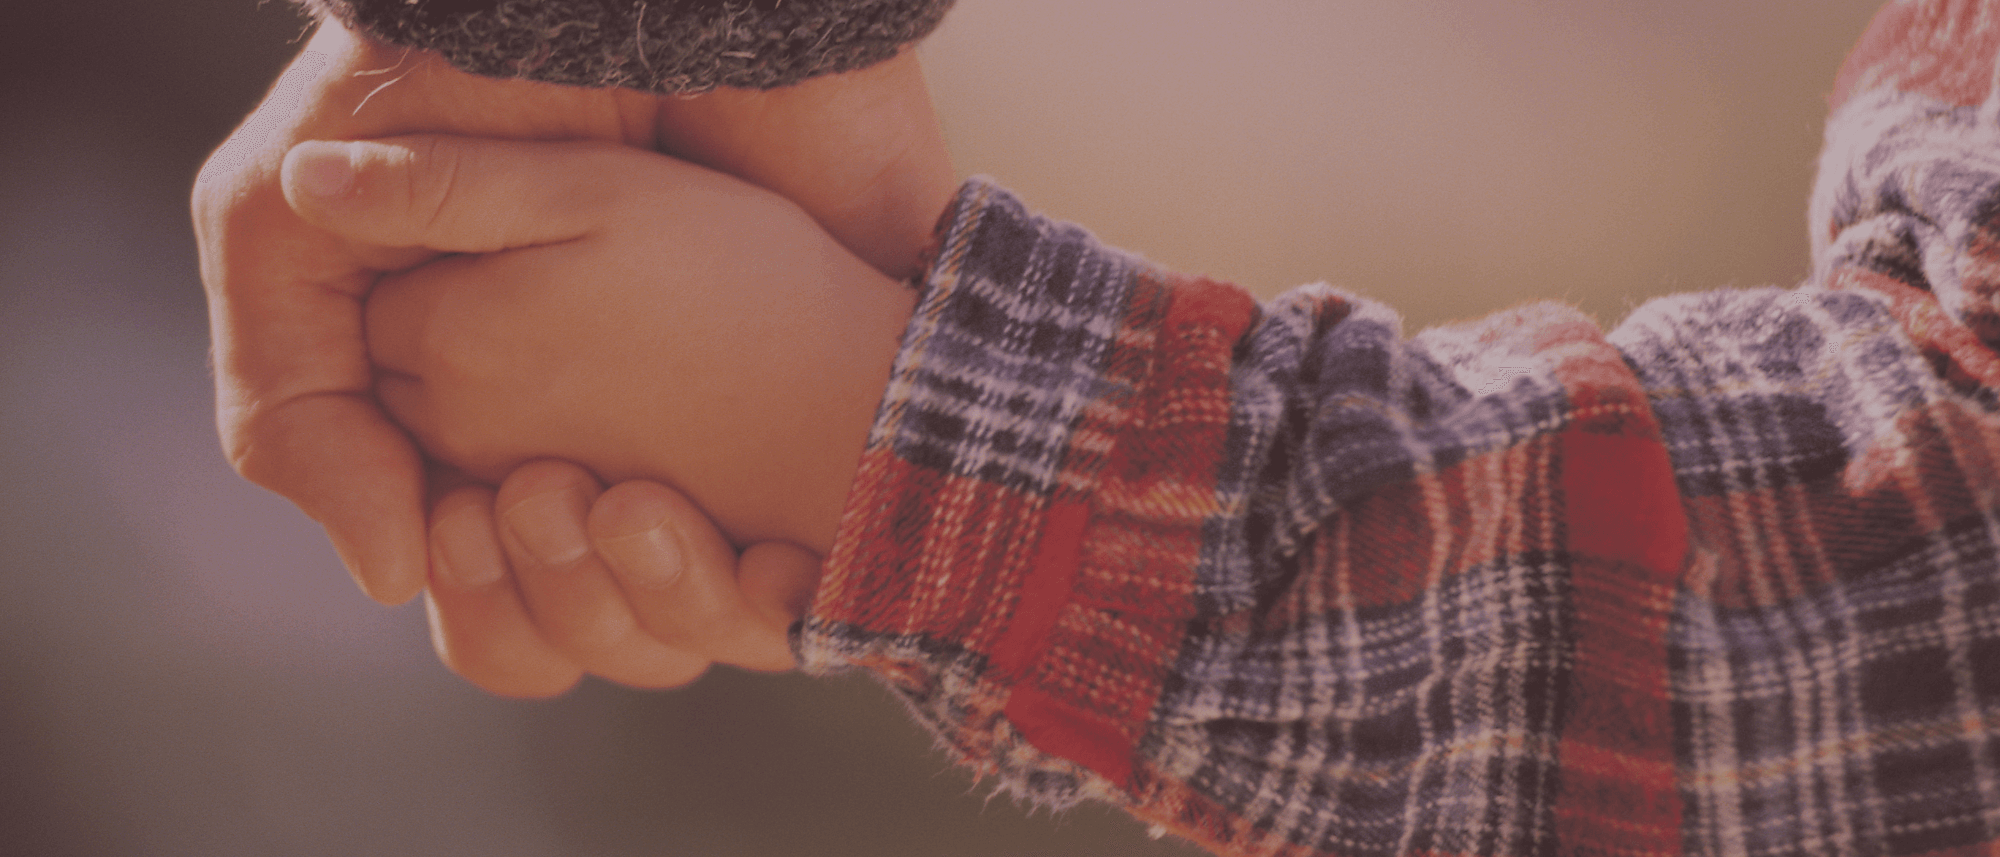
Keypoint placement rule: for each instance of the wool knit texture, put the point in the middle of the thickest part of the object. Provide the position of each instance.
(1724, 580)
(663, 46)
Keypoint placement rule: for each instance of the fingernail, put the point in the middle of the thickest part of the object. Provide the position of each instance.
(651, 558)
(326, 172)
(550, 526)
(477, 563)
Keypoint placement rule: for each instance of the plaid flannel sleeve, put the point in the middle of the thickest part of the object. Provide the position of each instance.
(1283, 580)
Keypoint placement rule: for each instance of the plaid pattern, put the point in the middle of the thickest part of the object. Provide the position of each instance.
(1723, 581)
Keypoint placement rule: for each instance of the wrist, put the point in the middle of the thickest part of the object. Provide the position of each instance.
(901, 213)
(861, 152)
(767, 428)
(842, 384)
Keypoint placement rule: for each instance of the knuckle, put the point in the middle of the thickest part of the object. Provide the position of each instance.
(548, 474)
(698, 624)
(250, 460)
(598, 638)
(466, 445)
(246, 443)
(431, 182)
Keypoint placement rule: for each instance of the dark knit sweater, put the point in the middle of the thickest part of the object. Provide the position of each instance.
(664, 46)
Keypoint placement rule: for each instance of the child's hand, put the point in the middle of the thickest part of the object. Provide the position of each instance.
(655, 319)
(632, 584)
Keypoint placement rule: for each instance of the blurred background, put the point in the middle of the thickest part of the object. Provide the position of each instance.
(186, 669)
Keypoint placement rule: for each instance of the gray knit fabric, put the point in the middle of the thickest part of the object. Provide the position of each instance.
(663, 46)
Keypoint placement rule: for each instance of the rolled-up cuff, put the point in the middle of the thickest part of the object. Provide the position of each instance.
(1017, 557)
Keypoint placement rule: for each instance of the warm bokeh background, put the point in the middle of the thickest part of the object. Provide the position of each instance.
(185, 669)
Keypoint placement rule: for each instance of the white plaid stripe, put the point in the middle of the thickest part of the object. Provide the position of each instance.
(1822, 667)
(1010, 421)
(1456, 676)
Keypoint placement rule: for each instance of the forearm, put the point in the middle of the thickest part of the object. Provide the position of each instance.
(1283, 577)
(803, 386)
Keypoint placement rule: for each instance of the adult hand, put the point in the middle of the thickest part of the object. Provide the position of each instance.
(292, 400)
(294, 394)
(860, 152)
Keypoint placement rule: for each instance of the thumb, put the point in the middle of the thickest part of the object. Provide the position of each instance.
(452, 194)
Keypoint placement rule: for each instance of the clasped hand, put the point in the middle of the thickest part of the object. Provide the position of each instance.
(496, 359)
(632, 313)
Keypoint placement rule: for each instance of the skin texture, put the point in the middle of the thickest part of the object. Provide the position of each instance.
(645, 591)
(650, 318)
(860, 151)
(295, 399)
(293, 383)
(645, 318)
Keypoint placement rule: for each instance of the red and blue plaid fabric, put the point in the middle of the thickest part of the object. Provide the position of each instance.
(1281, 580)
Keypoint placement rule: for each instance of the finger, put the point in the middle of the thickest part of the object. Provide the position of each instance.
(292, 388)
(779, 580)
(453, 194)
(417, 324)
(569, 593)
(479, 626)
(442, 479)
(403, 306)
(346, 467)
(678, 573)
